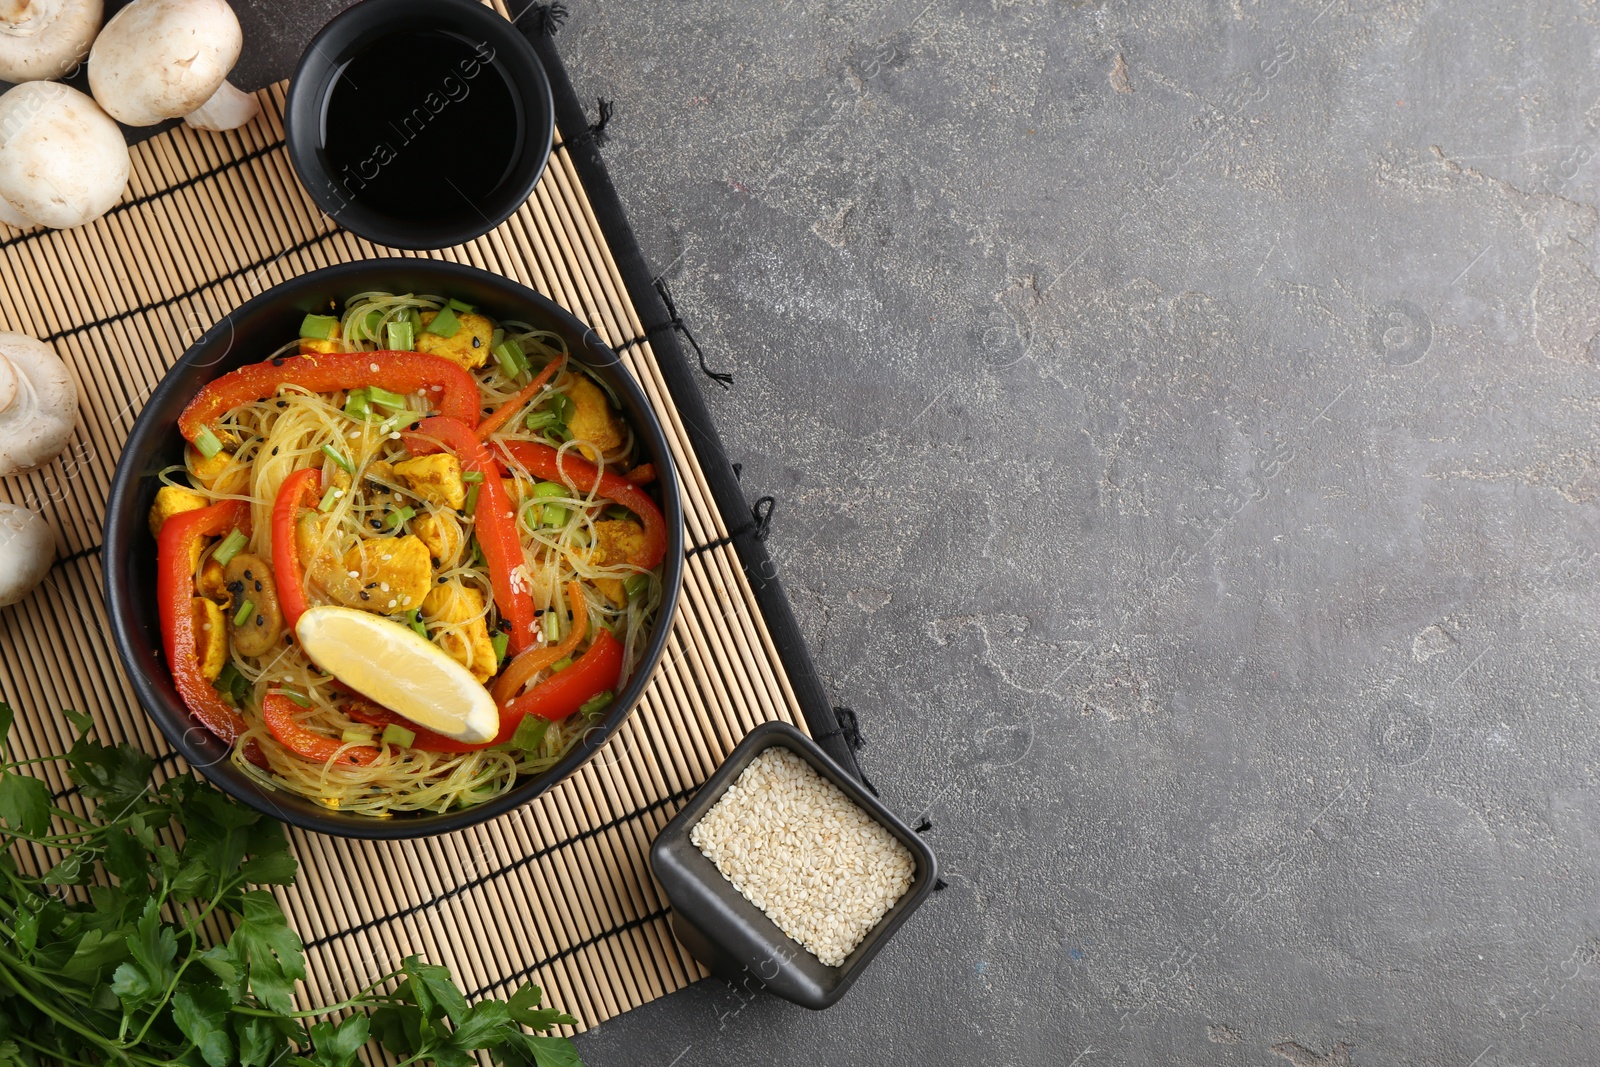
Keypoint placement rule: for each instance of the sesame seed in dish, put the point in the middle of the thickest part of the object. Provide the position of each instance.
(800, 850)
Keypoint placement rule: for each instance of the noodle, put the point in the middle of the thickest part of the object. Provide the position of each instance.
(270, 439)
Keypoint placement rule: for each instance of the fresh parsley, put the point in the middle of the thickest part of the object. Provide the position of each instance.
(120, 951)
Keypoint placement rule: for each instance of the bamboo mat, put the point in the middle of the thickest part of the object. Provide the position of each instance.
(558, 892)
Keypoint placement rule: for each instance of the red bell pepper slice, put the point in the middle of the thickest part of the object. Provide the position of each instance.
(277, 711)
(555, 698)
(494, 521)
(564, 692)
(293, 494)
(402, 372)
(542, 461)
(174, 590)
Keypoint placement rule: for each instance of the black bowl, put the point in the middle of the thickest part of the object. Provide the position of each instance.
(419, 122)
(734, 938)
(249, 335)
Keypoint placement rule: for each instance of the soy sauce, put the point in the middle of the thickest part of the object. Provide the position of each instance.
(421, 126)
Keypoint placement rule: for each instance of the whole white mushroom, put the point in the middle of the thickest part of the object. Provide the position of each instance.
(27, 548)
(38, 404)
(165, 59)
(43, 39)
(63, 162)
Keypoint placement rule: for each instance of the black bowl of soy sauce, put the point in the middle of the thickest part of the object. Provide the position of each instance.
(419, 124)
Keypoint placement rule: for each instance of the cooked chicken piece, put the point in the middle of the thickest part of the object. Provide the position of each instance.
(394, 574)
(593, 423)
(470, 345)
(441, 533)
(436, 479)
(466, 637)
(173, 500)
(616, 541)
(210, 637)
(383, 575)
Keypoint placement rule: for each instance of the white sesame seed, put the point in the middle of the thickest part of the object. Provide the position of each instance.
(800, 850)
(373, 367)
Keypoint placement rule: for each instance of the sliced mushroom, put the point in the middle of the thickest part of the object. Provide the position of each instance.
(63, 162)
(38, 404)
(250, 581)
(27, 548)
(165, 59)
(44, 39)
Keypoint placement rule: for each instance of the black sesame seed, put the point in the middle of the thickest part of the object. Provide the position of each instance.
(365, 595)
(278, 361)
(443, 579)
(274, 450)
(235, 587)
(258, 585)
(261, 620)
(250, 578)
(377, 524)
(370, 585)
(477, 342)
(434, 561)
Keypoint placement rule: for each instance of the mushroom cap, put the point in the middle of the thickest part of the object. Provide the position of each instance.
(36, 424)
(63, 162)
(43, 39)
(27, 548)
(161, 59)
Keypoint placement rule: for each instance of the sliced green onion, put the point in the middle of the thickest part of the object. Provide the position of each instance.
(370, 323)
(472, 477)
(414, 620)
(495, 338)
(596, 702)
(538, 420)
(402, 338)
(399, 516)
(380, 395)
(635, 585)
(564, 407)
(303, 699)
(552, 515)
(615, 512)
(394, 422)
(339, 458)
(330, 498)
(472, 500)
(232, 684)
(530, 733)
(445, 323)
(230, 547)
(321, 327)
(355, 737)
(560, 433)
(456, 305)
(549, 489)
(501, 641)
(511, 358)
(247, 609)
(358, 404)
(206, 442)
(552, 626)
(561, 664)
(395, 734)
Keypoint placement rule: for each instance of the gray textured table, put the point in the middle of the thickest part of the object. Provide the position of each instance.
(1181, 418)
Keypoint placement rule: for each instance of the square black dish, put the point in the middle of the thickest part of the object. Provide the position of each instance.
(732, 936)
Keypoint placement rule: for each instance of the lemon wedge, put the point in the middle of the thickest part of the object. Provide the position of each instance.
(395, 666)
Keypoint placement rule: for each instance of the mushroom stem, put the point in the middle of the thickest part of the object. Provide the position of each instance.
(228, 109)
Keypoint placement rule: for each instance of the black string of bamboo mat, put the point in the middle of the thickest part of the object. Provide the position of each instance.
(572, 950)
(504, 869)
